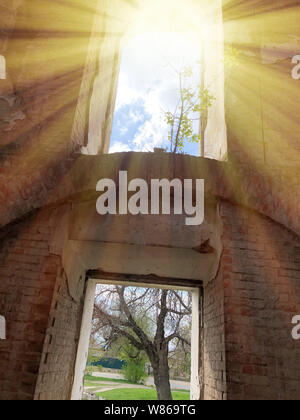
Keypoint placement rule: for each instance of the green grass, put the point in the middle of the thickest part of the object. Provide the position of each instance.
(136, 394)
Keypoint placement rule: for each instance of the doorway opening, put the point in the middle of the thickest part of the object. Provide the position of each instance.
(140, 340)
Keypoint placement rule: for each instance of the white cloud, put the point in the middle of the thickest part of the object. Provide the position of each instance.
(150, 135)
(118, 147)
(136, 116)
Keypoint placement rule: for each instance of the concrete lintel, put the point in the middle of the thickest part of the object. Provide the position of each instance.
(178, 263)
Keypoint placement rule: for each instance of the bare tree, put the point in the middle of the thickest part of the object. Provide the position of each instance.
(150, 319)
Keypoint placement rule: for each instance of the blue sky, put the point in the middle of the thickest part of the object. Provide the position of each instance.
(148, 85)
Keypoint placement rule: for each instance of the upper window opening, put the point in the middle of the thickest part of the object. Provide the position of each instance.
(161, 40)
(171, 85)
(158, 71)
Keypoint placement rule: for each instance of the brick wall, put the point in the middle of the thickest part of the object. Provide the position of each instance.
(214, 341)
(56, 372)
(260, 271)
(39, 98)
(32, 288)
(249, 351)
(27, 279)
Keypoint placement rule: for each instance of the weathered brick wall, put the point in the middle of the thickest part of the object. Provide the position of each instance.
(35, 302)
(45, 98)
(39, 98)
(214, 341)
(260, 271)
(27, 279)
(56, 372)
(45, 65)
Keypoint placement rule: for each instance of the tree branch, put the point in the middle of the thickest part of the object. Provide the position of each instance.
(179, 337)
(137, 330)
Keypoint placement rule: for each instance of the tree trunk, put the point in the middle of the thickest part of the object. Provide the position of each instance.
(162, 376)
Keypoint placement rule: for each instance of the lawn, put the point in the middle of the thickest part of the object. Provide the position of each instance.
(136, 394)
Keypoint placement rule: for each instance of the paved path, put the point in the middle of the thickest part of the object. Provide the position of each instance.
(150, 382)
(114, 386)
